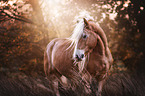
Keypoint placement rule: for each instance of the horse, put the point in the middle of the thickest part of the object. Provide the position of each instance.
(86, 51)
(62, 57)
(99, 58)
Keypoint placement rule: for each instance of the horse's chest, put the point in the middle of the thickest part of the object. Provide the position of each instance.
(96, 65)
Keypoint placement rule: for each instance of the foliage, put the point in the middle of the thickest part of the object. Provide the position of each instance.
(20, 40)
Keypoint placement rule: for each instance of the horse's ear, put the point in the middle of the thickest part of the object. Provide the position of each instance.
(86, 22)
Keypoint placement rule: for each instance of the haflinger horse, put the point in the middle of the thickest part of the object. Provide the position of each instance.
(86, 51)
(62, 57)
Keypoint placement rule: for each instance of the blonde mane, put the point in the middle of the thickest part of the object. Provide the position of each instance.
(75, 37)
(77, 32)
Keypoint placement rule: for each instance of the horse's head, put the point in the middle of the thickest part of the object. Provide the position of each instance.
(86, 39)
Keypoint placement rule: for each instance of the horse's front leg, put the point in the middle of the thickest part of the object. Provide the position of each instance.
(100, 86)
(56, 82)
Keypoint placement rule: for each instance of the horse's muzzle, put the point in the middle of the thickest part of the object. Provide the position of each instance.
(79, 57)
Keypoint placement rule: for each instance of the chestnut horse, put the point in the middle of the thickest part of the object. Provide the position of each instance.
(85, 51)
(62, 57)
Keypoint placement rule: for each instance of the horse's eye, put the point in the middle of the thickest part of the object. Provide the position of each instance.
(84, 36)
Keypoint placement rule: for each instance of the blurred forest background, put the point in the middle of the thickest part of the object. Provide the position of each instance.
(27, 26)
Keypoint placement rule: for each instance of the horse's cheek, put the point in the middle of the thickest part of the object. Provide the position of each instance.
(91, 43)
(81, 44)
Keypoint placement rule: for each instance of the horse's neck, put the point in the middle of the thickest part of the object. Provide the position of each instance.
(100, 47)
(100, 32)
(94, 54)
(100, 55)
(99, 50)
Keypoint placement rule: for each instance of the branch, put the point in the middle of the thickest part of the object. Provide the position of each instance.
(14, 16)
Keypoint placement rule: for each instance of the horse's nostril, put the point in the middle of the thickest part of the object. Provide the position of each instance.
(77, 56)
(82, 55)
